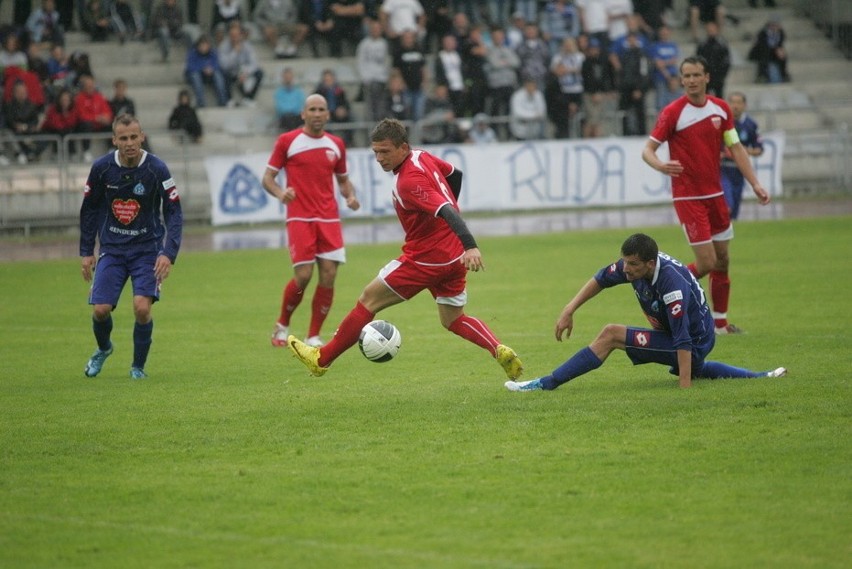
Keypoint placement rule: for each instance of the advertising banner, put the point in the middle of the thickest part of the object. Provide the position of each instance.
(541, 175)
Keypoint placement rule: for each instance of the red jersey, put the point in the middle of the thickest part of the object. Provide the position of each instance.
(695, 135)
(310, 162)
(420, 190)
(59, 121)
(91, 105)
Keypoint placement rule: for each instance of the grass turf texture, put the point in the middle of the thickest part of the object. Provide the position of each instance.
(231, 456)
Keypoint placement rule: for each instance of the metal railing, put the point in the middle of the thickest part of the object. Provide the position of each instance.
(47, 193)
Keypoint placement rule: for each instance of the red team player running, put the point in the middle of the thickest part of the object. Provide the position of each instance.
(437, 253)
(311, 158)
(695, 126)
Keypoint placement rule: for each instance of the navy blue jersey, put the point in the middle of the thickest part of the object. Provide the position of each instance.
(672, 301)
(749, 136)
(121, 208)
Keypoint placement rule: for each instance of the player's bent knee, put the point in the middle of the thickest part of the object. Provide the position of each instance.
(101, 312)
(612, 335)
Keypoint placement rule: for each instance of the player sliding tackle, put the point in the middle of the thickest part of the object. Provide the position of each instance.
(436, 255)
(673, 302)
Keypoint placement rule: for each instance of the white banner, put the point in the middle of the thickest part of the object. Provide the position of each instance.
(542, 175)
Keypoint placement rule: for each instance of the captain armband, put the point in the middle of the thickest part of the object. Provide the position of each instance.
(731, 137)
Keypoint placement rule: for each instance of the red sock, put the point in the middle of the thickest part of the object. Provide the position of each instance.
(346, 335)
(720, 292)
(474, 330)
(694, 270)
(290, 300)
(320, 306)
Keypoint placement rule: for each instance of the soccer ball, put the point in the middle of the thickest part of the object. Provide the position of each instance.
(379, 341)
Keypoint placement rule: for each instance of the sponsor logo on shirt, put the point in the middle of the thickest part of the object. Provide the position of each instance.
(641, 339)
(676, 310)
(670, 297)
(125, 211)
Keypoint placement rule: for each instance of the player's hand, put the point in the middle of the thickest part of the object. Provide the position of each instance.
(673, 168)
(762, 195)
(565, 325)
(472, 260)
(288, 195)
(353, 203)
(87, 266)
(162, 267)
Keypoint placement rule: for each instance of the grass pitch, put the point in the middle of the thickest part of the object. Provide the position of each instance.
(231, 456)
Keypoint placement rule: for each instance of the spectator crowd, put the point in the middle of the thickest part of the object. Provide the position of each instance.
(467, 71)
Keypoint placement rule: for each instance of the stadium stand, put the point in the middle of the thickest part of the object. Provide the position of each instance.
(814, 109)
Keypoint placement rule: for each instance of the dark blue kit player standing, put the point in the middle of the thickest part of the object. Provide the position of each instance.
(127, 192)
(682, 329)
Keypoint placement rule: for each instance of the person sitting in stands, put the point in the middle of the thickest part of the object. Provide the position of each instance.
(44, 26)
(167, 26)
(61, 118)
(94, 110)
(126, 21)
(203, 68)
(22, 118)
(278, 21)
(185, 118)
(240, 63)
(338, 102)
(289, 101)
(96, 21)
(769, 53)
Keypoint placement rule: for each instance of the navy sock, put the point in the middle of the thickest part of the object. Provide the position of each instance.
(102, 330)
(582, 362)
(716, 370)
(142, 343)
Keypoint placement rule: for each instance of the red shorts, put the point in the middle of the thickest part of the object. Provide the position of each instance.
(308, 240)
(705, 220)
(446, 283)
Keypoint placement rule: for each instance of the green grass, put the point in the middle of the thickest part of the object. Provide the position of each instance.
(231, 456)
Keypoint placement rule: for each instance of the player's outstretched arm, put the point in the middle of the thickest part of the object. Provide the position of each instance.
(565, 323)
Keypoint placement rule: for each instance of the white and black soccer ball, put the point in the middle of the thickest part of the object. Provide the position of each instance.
(379, 341)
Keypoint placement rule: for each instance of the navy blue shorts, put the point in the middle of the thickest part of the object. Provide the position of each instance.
(113, 270)
(645, 346)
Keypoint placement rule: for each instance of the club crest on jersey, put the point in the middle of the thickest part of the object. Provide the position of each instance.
(139, 189)
(330, 155)
(717, 122)
(125, 211)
